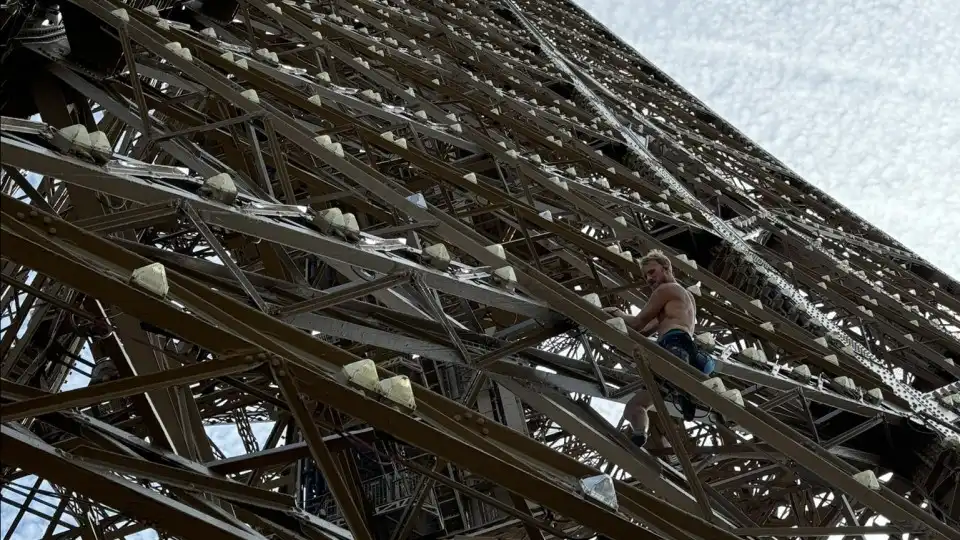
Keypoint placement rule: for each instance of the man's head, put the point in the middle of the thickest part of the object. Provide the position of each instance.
(656, 268)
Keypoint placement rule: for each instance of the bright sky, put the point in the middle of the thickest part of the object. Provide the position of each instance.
(861, 97)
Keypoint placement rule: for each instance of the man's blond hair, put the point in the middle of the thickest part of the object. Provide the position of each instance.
(657, 256)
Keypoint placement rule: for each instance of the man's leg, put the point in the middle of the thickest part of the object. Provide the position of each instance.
(685, 349)
(636, 413)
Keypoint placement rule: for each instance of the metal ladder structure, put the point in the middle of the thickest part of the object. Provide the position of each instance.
(380, 234)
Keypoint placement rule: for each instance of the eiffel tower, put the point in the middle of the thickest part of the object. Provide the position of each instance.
(339, 269)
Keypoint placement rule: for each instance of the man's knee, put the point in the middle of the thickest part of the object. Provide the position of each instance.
(641, 400)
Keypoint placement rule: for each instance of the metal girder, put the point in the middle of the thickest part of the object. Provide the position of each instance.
(98, 393)
(435, 187)
(389, 420)
(22, 449)
(130, 187)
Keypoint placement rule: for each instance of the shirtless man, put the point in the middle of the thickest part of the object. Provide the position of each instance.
(670, 312)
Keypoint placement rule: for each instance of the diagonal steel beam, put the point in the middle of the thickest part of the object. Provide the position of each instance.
(98, 393)
(516, 479)
(25, 450)
(346, 498)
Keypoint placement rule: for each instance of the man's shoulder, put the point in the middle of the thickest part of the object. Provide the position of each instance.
(676, 290)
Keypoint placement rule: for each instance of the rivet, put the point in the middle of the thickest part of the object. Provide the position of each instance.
(485, 431)
(21, 215)
(468, 415)
(33, 213)
(282, 372)
(248, 358)
(46, 220)
(261, 356)
(52, 230)
(457, 418)
(481, 420)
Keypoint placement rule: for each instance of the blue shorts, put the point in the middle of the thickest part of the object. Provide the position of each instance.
(681, 344)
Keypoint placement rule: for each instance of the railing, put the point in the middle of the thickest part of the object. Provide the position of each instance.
(386, 493)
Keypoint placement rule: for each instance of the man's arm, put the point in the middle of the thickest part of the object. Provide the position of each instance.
(646, 321)
(650, 328)
(648, 315)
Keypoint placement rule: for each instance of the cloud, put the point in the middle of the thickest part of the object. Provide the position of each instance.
(861, 97)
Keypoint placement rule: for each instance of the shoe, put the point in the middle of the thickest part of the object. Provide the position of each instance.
(718, 419)
(639, 439)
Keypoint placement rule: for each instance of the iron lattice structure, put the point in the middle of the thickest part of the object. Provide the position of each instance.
(385, 231)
